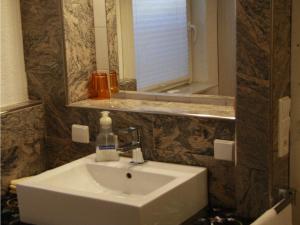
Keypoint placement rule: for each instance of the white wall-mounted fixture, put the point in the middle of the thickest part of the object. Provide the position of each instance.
(284, 122)
(224, 150)
(80, 134)
(284, 107)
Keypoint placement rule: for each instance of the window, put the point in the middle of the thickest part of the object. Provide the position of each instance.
(161, 42)
(166, 44)
(154, 42)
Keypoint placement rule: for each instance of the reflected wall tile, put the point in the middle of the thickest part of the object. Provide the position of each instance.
(80, 53)
(128, 85)
(112, 36)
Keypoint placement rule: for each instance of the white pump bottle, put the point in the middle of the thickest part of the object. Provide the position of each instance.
(106, 140)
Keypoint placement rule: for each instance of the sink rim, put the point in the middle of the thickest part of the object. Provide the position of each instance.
(181, 174)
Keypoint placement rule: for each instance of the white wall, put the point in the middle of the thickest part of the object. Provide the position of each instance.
(295, 129)
(13, 76)
(204, 16)
(101, 35)
(227, 47)
(126, 45)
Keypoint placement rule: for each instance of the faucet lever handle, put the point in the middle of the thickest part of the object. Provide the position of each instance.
(127, 130)
(134, 131)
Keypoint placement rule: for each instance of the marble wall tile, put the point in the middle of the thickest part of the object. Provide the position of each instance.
(189, 135)
(254, 21)
(189, 141)
(112, 36)
(263, 57)
(281, 87)
(44, 60)
(253, 38)
(22, 144)
(61, 151)
(128, 85)
(80, 52)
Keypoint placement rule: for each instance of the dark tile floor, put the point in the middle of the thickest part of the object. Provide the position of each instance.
(10, 215)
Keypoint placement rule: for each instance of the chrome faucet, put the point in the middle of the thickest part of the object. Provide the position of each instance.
(136, 139)
(135, 145)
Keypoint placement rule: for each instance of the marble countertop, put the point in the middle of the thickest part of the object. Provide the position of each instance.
(159, 107)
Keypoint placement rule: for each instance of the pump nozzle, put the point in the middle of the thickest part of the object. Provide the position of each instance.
(105, 120)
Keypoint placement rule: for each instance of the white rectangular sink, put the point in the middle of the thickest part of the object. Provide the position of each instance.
(84, 192)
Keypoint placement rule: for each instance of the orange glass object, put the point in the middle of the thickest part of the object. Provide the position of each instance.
(91, 86)
(99, 86)
(113, 80)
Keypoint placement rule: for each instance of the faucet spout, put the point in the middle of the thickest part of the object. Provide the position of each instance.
(135, 146)
(136, 139)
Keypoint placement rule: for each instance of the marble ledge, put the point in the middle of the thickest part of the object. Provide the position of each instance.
(159, 107)
(12, 108)
(175, 97)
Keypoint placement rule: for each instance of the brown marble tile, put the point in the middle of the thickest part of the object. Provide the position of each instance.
(190, 135)
(189, 141)
(256, 196)
(159, 107)
(254, 26)
(128, 85)
(280, 87)
(44, 59)
(61, 151)
(22, 144)
(80, 51)
(263, 76)
(253, 38)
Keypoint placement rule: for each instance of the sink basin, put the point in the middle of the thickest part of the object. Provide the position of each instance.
(84, 192)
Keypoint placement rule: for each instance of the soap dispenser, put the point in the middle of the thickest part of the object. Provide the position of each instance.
(106, 141)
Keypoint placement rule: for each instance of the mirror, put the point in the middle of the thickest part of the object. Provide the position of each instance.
(168, 46)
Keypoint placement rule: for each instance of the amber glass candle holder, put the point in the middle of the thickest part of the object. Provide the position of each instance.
(99, 86)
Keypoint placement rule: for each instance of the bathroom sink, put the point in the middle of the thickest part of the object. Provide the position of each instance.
(84, 192)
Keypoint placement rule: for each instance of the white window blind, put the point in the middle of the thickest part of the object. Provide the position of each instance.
(161, 42)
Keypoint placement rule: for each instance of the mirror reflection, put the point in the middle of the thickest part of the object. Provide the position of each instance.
(171, 46)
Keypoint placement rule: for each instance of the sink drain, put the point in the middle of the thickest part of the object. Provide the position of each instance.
(129, 175)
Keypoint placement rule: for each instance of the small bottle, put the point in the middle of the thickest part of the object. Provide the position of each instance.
(106, 140)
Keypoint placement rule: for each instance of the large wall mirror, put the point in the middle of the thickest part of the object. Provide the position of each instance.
(170, 46)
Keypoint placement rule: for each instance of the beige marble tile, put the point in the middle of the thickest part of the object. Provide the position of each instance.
(22, 144)
(152, 107)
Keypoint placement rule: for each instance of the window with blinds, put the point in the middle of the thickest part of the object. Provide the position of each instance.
(160, 42)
